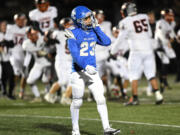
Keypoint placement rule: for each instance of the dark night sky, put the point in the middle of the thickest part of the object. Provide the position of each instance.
(111, 7)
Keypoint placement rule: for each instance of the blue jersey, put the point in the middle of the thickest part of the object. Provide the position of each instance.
(82, 46)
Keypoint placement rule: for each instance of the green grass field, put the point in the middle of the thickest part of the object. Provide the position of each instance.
(24, 118)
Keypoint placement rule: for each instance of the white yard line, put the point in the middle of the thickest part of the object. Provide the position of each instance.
(88, 119)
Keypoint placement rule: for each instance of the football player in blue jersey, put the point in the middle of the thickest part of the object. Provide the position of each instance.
(82, 39)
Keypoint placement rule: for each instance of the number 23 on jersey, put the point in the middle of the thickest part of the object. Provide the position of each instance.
(85, 46)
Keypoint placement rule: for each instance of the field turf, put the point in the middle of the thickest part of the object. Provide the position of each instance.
(21, 117)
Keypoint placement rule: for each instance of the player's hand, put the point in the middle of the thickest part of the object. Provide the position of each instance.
(90, 70)
(41, 53)
(95, 22)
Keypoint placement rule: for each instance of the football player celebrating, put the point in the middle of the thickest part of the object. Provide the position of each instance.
(118, 65)
(165, 34)
(44, 16)
(35, 45)
(136, 29)
(82, 40)
(17, 34)
(62, 64)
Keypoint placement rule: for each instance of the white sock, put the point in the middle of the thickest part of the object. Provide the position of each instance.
(35, 91)
(158, 95)
(74, 117)
(102, 109)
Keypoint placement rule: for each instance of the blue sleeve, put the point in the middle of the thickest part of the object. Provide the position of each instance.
(74, 50)
(102, 38)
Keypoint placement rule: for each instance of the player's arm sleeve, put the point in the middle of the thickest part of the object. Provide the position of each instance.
(55, 15)
(74, 50)
(8, 43)
(121, 37)
(102, 38)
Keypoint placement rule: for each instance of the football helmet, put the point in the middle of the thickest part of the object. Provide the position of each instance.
(41, 1)
(20, 19)
(129, 9)
(19, 15)
(99, 14)
(42, 5)
(167, 14)
(64, 21)
(83, 17)
(98, 11)
(167, 11)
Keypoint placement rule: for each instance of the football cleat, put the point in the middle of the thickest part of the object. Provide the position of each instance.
(159, 98)
(65, 101)
(132, 101)
(51, 98)
(36, 100)
(111, 131)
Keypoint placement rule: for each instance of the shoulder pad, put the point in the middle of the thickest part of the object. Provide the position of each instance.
(9, 26)
(69, 34)
(32, 13)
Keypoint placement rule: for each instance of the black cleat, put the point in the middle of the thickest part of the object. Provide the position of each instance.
(111, 131)
(159, 102)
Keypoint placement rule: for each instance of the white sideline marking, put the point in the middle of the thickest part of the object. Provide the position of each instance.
(88, 119)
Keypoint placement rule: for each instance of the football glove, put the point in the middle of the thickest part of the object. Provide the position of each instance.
(95, 23)
(91, 70)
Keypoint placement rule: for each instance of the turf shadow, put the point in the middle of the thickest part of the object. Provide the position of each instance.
(63, 129)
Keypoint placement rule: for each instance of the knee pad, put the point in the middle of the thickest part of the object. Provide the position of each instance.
(100, 100)
(77, 103)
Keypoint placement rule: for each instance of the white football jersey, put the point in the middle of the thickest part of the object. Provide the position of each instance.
(106, 28)
(45, 19)
(102, 52)
(137, 31)
(5, 53)
(34, 48)
(18, 35)
(164, 31)
(60, 48)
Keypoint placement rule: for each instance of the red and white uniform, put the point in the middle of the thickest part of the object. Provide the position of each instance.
(40, 62)
(63, 61)
(164, 31)
(18, 35)
(137, 31)
(45, 19)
